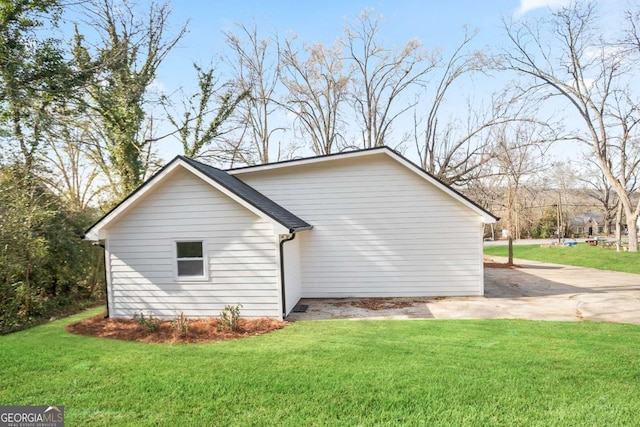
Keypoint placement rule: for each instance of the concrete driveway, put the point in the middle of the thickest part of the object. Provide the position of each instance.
(536, 291)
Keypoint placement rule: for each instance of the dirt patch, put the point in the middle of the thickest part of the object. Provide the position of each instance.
(500, 265)
(383, 303)
(489, 263)
(200, 330)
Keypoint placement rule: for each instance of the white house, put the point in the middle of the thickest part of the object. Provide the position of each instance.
(366, 223)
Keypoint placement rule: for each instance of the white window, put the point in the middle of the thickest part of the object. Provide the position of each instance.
(190, 259)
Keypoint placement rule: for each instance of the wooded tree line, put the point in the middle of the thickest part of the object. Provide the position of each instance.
(81, 120)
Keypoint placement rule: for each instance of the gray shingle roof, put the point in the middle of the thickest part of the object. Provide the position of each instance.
(251, 196)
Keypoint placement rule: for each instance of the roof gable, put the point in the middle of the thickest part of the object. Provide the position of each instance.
(486, 215)
(251, 196)
(283, 220)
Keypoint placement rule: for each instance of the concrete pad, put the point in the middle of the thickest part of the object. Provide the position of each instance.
(536, 291)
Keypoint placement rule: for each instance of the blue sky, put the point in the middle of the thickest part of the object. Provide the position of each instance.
(438, 24)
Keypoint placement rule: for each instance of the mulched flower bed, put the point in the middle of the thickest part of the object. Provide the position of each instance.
(200, 330)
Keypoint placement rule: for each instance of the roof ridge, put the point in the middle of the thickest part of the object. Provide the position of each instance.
(319, 156)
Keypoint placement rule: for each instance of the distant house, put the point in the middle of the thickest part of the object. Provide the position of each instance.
(588, 224)
(366, 223)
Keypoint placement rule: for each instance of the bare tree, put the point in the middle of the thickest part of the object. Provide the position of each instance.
(444, 154)
(561, 183)
(73, 176)
(457, 153)
(599, 189)
(317, 84)
(255, 62)
(382, 77)
(568, 58)
(519, 156)
(121, 68)
(486, 191)
(206, 118)
(631, 38)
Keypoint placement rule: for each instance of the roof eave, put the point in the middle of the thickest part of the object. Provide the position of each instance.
(96, 231)
(487, 217)
(307, 160)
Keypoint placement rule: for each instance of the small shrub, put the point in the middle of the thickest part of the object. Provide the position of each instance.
(150, 323)
(229, 318)
(180, 324)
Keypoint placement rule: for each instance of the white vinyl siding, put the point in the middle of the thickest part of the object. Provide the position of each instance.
(379, 229)
(293, 287)
(240, 254)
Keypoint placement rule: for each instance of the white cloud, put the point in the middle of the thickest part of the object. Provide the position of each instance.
(529, 5)
(588, 82)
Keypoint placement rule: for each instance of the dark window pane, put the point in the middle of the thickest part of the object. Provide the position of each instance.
(189, 249)
(191, 268)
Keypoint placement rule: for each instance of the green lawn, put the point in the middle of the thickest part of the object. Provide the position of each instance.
(581, 255)
(484, 373)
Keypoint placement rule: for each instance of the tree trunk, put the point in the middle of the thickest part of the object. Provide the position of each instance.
(632, 228)
(618, 227)
(606, 227)
(625, 200)
(632, 225)
(510, 262)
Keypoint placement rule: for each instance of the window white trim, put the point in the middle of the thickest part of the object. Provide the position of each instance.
(203, 259)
